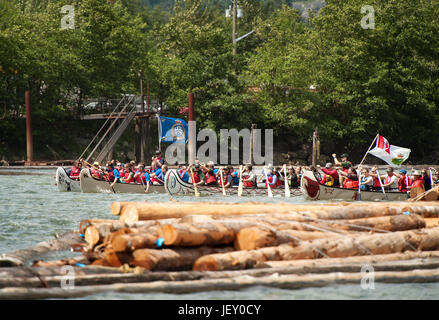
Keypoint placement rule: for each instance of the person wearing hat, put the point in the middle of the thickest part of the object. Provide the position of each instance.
(417, 187)
(331, 177)
(198, 178)
(391, 180)
(345, 164)
(117, 174)
(95, 171)
(403, 180)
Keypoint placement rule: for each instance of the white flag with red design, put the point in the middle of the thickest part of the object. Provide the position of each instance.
(393, 155)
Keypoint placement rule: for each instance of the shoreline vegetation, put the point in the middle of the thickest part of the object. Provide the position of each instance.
(292, 74)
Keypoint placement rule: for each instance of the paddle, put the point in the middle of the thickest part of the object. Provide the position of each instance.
(240, 186)
(431, 178)
(287, 187)
(381, 185)
(270, 193)
(193, 183)
(222, 182)
(359, 185)
(105, 173)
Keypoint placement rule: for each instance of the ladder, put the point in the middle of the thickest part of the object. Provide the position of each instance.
(113, 130)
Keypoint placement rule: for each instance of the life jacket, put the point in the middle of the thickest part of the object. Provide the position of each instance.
(210, 178)
(270, 181)
(402, 184)
(376, 182)
(74, 174)
(181, 173)
(350, 184)
(196, 177)
(129, 178)
(418, 183)
(279, 182)
(111, 176)
(95, 173)
(249, 184)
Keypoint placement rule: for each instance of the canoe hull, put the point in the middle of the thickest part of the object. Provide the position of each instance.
(91, 185)
(64, 183)
(174, 185)
(313, 190)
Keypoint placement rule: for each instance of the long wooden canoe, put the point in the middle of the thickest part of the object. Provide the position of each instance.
(64, 183)
(313, 190)
(174, 185)
(92, 185)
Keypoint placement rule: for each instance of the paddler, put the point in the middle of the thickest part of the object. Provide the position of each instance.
(391, 180)
(350, 178)
(345, 164)
(366, 181)
(183, 173)
(95, 170)
(76, 170)
(292, 178)
(331, 177)
(426, 179)
(248, 177)
(227, 178)
(418, 181)
(272, 177)
(210, 173)
(198, 175)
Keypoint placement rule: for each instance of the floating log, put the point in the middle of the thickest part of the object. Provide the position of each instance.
(116, 259)
(133, 241)
(427, 239)
(172, 259)
(133, 212)
(20, 257)
(255, 238)
(283, 281)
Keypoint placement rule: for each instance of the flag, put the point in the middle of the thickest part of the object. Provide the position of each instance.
(393, 155)
(173, 130)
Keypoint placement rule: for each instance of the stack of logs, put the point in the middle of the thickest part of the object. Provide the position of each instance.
(218, 236)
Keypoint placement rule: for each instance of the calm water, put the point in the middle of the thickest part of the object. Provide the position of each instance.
(32, 210)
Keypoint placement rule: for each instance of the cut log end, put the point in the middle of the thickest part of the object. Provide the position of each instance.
(253, 238)
(206, 263)
(92, 236)
(129, 214)
(115, 208)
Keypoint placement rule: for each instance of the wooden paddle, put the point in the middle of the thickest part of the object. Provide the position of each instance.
(270, 193)
(241, 183)
(359, 185)
(222, 182)
(381, 185)
(287, 187)
(193, 183)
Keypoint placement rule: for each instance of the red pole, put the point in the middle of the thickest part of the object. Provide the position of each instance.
(29, 142)
(191, 107)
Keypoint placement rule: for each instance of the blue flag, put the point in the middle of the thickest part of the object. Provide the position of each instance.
(173, 130)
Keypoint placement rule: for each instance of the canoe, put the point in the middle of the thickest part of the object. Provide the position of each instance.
(174, 185)
(92, 185)
(313, 190)
(64, 183)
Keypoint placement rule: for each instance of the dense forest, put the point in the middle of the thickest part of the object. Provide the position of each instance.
(308, 64)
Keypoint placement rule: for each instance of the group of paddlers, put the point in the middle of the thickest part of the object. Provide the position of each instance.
(337, 174)
(343, 174)
(228, 176)
(116, 172)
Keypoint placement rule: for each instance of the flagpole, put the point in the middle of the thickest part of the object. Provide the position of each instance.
(381, 184)
(369, 149)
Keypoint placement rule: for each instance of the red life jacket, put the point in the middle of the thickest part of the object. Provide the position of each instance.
(418, 183)
(248, 184)
(128, 178)
(376, 182)
(196, 177)
(210, 178)
(279, 182)
(350, 184)
(110, 176)
(402, 184)
(141, 178)
(270, 180)
(95, 173)
(74, 174)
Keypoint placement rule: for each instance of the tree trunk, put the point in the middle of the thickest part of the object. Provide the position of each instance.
(427, 239)
(132, 212)
(255, 238)
(20, 257)
(172, 259)
(146, 238)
